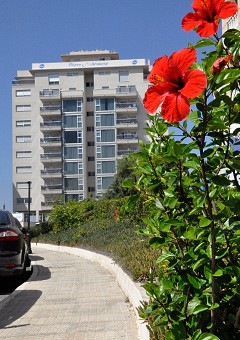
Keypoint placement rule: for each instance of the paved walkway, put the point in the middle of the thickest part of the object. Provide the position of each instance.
(70, 298)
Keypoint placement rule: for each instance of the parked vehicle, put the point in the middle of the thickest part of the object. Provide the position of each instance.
(13, 246)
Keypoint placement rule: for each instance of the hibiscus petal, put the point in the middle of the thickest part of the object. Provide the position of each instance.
(159, 68)
(153, 98)
(175, 108)
(183, 59)
(227, 10)
(195, 82)
(190, 21)
(206, 29)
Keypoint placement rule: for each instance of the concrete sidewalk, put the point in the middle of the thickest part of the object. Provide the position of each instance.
(68, 297)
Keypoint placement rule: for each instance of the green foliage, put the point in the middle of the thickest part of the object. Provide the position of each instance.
(190, 186)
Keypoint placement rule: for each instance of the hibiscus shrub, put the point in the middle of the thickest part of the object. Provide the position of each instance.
(191, 184)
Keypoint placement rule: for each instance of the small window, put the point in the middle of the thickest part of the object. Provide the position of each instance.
(23, 154)
(72, 74)
(23, 93)
(23, 169)
(89, 99)
(91, 173)
(90, 143)
(22, 185)
(23, 123)
(91, 158)
(23, 139)
(90, 114)
(23, 200)
(90, 128)
(23, 108)
(53, 79)
(89, 84)
(91, 189)
(123, 76)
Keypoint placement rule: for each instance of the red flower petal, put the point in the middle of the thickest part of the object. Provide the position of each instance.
(175, 108)
(195, 82)
(190, 21)
(227, 10)
(153, 98)
(159, 68)
(206, 29)
(183, 59)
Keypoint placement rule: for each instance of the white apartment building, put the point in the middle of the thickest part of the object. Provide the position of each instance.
(71, 121)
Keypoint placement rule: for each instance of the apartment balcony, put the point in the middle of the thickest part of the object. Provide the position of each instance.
(51, 142)
(126, 107)
(46, 95)
(50, 111)
(126, 92)
(51, 125)
(51, 157)
(52, 189)
(125, 152)
(72, 94)
(127, 138)
(51, 173)
(233, 22)
(23, 82)
(127, 122)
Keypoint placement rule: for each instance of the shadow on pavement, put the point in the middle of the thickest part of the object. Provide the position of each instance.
(18, 307)
(35, 257)
(43, 273)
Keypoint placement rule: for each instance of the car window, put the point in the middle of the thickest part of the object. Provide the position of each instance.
(3, 218)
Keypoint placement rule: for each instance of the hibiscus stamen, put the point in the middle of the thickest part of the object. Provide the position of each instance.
(158, 79)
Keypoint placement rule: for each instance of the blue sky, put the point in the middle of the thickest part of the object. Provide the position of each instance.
(42, 30)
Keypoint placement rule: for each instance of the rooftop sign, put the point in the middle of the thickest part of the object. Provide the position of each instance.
(88, 64)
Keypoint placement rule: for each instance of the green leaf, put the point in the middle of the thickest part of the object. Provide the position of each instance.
(208, 336)
(156, 242)
(227, 76)
(199, 263)
(221, 180)
(204, 222)
(199, 309)
(218, 273)
(159, 204)
(127, 183)
(203, 43)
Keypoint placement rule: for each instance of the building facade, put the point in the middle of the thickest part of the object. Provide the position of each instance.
(71, 121)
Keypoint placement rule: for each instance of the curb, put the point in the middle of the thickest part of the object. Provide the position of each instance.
(132, 291)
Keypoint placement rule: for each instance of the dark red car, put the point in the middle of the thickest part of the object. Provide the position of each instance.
(13, 246)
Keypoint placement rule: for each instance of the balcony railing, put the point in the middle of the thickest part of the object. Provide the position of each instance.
(50, 123)
(23, 82)
(49, 93)
(233, 22)
(126, 105)
(126, 121)
(51, 171)
(126, 90)
(50, 108)
(50, 140)
(127, 136)
(126, 152)
(50, 155)
(52, 187)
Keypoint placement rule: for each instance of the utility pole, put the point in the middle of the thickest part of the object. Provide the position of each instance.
(28, 230)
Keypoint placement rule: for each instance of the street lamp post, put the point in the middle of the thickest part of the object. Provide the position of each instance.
(28, 230)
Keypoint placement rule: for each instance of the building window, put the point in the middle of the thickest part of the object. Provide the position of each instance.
(73, 183)
(73, 197)
(23, 154)
(104, 73)
(104, 136)
(90, 128)
(22, 185)
(123, 76)
(75, 152)
(91, 158)
(71, 105)
(89, 84)
(23, 108)
(72, 137)
(23, 93)
(105, 120)
(23, 169)
(23, 139)
(70, 121)
(23, 123)
(73, 168)
(91, 173)
(91, 189)
(23, 200)
(72, 74)
(90, 143)
(89, 99)
(90, 113)
(106, 151)
(106, 167)
(104, 104)
(104, 182)
(53, 79)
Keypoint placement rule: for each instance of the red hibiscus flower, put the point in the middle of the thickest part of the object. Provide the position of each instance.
(220, 63)
(207, 15)
(174, 83)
